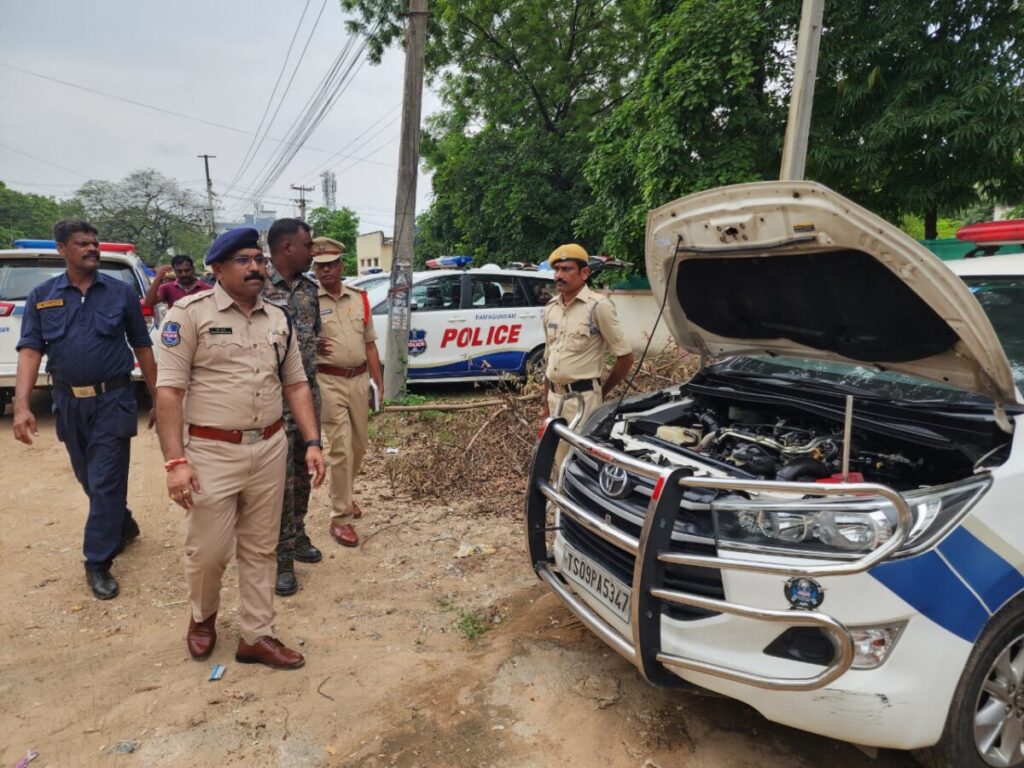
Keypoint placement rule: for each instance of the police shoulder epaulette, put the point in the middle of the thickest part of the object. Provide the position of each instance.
(187, 301)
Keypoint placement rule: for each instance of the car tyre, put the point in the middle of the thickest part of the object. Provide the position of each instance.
(985, 725)
(533, 369)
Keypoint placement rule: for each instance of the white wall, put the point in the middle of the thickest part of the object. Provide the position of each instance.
(637, 311)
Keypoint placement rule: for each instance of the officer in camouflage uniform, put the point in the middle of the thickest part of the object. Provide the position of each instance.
(291, 254)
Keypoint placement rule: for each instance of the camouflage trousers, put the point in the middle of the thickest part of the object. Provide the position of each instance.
(296, 487)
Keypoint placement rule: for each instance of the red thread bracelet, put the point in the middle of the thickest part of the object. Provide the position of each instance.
(174, 463)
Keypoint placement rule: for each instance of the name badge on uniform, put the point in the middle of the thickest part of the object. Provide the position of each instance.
(170, 335)
(50, 303)
(326, 312)
(220, 331)
(274, 337)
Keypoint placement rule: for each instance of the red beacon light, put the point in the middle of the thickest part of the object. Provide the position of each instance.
(989, 236)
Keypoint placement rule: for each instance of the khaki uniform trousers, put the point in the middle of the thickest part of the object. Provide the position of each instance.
(591, 402)
(237, 513)
(345, 415)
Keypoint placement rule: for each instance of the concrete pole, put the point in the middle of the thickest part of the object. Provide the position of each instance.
(801, 101)
(396, 358)
(209, 194)
(302, 199)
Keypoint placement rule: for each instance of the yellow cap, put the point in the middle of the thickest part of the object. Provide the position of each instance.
(569, 252)
(326, 250)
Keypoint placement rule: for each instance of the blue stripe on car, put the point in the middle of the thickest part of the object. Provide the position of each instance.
(483, 365)
(994, 579)
(931, 587)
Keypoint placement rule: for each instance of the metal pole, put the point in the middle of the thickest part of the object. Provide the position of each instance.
(396, 358)
(302, 199)
(801, 101)
(209, 194)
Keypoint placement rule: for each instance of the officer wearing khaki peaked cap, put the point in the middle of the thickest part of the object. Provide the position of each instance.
(580, 326)
(347, 358)
(233, 354)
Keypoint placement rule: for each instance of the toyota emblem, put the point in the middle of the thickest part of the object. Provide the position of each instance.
(614, 481)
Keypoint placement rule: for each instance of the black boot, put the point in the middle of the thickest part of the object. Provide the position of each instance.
(286, 583)
(305, 552)
(129, 533)
(103, 585)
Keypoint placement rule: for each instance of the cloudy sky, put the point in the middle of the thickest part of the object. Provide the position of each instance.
(208, 69)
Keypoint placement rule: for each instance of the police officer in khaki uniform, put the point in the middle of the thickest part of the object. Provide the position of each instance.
(579, 327)
(233, 354)
(347, 352)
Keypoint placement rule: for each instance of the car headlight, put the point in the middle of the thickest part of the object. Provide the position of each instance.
(846, 526)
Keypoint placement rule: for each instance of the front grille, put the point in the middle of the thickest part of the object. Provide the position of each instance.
(627, 515)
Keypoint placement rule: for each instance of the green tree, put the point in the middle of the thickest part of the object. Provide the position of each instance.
(919, 107)
(523, 83)
(150, 210)
(708, 110)
(25, 216)
(341, 225)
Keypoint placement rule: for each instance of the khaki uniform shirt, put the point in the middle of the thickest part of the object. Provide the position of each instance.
(228, 362)
(577, 336)
(344, 323)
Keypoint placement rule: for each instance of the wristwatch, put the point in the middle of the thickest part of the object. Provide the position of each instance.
(311, 443)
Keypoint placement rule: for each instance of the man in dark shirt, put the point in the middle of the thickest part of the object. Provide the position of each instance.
(291, 253)
(184, 284)
(88, 324)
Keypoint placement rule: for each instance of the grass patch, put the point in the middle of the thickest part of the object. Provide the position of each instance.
(471, 626)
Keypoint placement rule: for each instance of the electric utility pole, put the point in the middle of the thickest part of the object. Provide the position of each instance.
(209, 194)
(801, 100)
(396, 358)
(302, 199)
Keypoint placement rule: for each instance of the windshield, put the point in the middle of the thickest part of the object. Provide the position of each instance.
(1002, 298)
(845, 379)
(19, 276)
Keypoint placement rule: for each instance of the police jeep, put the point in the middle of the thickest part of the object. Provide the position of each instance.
(825, 522)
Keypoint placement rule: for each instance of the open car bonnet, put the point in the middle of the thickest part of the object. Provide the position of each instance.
(792, 268)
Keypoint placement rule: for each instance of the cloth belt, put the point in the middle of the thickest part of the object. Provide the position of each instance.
(92, 390)
(586, 385)
(237, 436)
(345, 373)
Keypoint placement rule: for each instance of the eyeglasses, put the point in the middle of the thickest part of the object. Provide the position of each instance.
(243, 261)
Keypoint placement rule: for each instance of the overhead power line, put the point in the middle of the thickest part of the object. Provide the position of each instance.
(162, 110)
(251, 153)
(339, 76)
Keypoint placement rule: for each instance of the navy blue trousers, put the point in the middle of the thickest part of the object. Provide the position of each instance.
(97, 433)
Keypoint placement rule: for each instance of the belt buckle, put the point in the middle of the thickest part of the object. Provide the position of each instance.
(83, 391)
(251, 436)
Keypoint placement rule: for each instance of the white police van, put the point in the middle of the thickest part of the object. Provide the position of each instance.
(826, 521)
(471, 324)
(32, 262)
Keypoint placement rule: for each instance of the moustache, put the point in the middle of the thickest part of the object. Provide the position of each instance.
(254, 276)
(559, 282)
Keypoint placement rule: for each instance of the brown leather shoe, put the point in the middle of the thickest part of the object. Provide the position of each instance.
(202, 636)
(345, 534)
(270, 651)
(356, 511)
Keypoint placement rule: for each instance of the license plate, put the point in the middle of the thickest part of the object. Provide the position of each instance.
(583, 571)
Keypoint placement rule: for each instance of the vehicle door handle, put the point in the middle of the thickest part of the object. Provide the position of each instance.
(456, 319)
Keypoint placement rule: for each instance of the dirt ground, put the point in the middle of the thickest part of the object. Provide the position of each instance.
(415, 656)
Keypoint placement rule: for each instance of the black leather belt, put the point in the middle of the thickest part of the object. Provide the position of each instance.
(92, 390)
(586, 385)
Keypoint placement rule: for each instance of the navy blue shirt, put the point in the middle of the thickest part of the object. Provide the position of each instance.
(84, 336)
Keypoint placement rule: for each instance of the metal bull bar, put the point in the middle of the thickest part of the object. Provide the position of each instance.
(652, 553)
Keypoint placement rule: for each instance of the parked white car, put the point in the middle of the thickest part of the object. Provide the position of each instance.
(22, 269)
(825, 521)
(472, 324)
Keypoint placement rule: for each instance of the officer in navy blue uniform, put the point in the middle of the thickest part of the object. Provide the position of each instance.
(88, 324)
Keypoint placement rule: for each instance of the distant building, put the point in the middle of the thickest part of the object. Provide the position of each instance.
(374, 250)
(261, 223)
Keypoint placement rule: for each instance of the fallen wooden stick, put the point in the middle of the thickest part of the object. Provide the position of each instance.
(450, 406)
